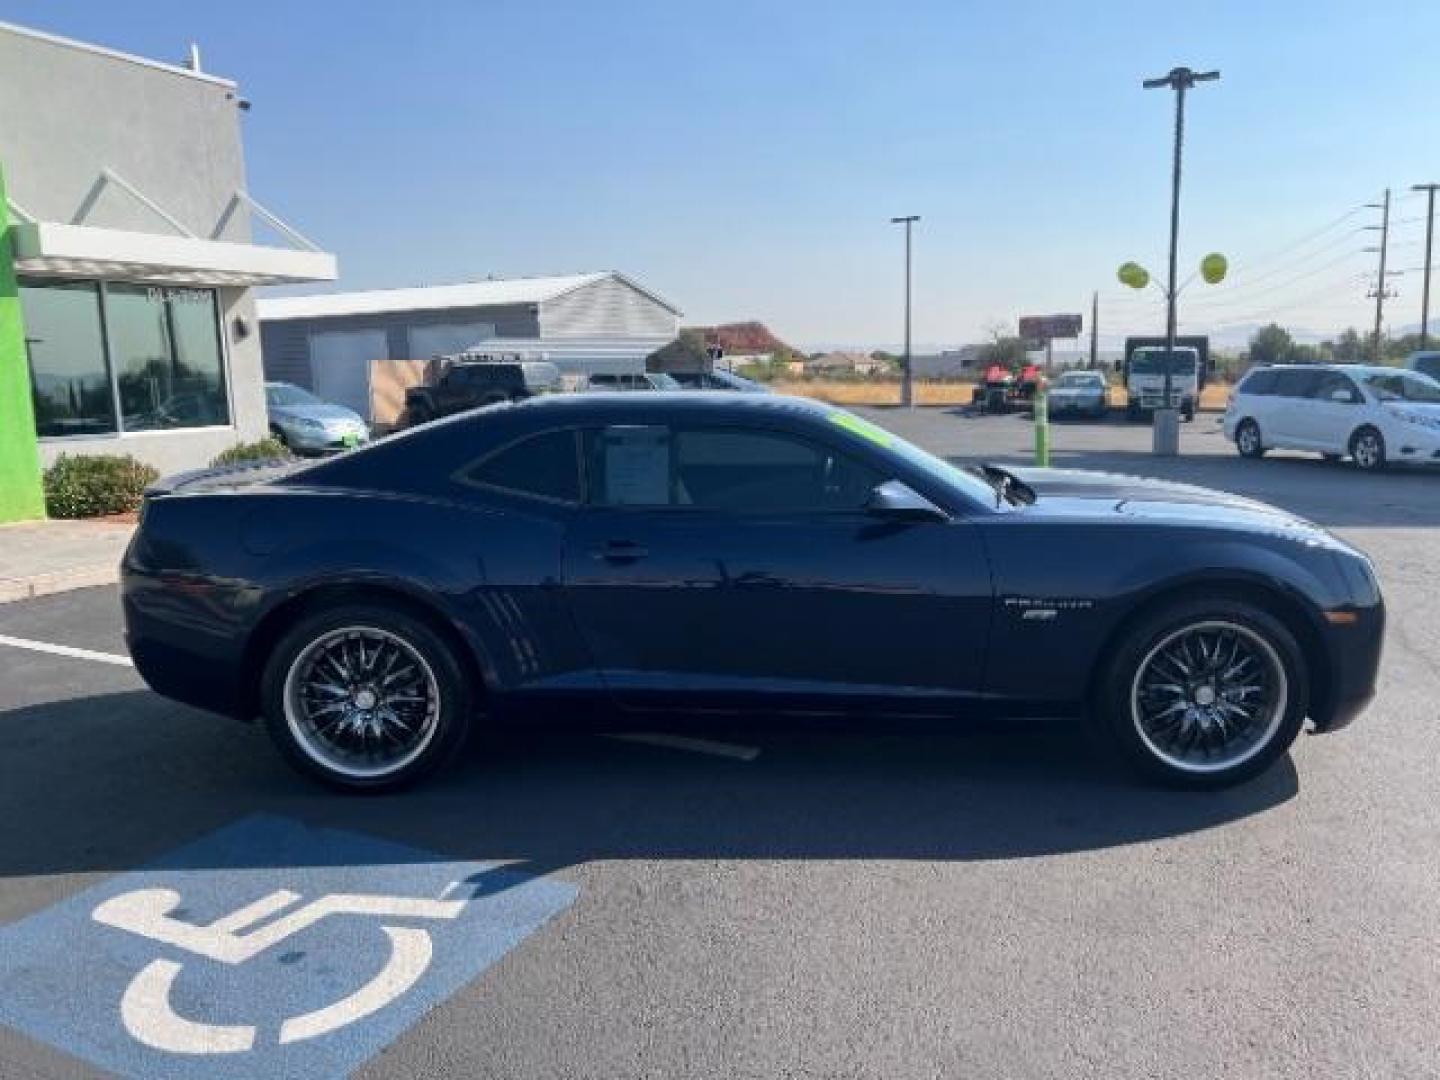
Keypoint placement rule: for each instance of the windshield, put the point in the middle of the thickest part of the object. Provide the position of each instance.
(286, 396)
(1074, 380)
(953, 476)
(1403, 386)
(1150, 362)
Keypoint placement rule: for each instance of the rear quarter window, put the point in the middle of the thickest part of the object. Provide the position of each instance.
(543, 466)
(1258, 383)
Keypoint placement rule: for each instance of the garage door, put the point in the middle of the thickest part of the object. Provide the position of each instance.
(340, 365)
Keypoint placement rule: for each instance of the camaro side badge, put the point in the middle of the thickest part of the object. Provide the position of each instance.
(1044, 609)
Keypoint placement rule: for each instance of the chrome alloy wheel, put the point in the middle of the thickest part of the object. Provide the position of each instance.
(361, 701)
(1209, 696)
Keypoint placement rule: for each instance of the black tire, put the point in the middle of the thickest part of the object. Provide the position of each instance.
(1188, 413)
(440, 725)
(279, 436)
(1367, 449)
(1248, 440)
(1133, 414)
(1141, 652)
(416, 415)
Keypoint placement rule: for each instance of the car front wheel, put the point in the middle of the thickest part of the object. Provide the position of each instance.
(365, 697)
(1367, 448)
(1206, 694)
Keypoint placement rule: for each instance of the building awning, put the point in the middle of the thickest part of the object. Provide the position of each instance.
(54, 249)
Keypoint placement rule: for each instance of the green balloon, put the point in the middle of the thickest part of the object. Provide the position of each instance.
(1213, 268)
(1134, 275)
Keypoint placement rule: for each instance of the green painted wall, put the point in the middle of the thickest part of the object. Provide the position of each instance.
(21, 496)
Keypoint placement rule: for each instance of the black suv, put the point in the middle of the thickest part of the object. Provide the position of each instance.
(470, 385)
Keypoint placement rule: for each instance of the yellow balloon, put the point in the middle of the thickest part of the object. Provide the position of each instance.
(1213, 268)
(1134, 275)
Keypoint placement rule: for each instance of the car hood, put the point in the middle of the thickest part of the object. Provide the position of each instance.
(322, 411)
(1079, 494)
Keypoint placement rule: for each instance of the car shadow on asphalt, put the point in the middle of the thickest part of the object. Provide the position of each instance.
(110, 782)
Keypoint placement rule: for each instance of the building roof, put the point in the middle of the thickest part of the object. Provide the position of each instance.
(115, 54)
(494, 292)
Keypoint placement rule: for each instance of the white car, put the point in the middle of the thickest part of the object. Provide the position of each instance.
(1373, 415)
(1077, 393)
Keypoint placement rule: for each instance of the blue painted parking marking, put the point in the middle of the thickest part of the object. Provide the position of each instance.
(267, 948)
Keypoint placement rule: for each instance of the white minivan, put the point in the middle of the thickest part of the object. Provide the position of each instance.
(1373, 415)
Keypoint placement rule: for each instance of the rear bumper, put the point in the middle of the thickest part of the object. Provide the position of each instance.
(171, 634)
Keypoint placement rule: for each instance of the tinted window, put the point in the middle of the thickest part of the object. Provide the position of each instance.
(1403, 386)
(734, 469)
(1295, 382)
(546, 466)
(69, 378)
(1330, 383)
(165, 344)
(1261, 383)
(1428, 365)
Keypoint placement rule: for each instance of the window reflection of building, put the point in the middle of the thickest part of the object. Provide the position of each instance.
(121, 356)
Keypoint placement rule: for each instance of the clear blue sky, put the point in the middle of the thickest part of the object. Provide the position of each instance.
(743, 158)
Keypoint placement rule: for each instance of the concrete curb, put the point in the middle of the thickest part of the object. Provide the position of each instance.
(84, 577)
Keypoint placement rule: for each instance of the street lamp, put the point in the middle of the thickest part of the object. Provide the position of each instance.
(1167, 419)
(907, 390)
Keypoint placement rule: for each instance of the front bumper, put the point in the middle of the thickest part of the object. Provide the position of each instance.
(1415, 443)
(318, 440)
(1353, 652)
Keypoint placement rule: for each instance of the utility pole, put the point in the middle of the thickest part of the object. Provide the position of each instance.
(1429, 190)
(907, 389)
(1167, 418)
(1094, 329)
(1380, 294)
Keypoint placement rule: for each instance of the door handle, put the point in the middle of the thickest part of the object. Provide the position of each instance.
(622, 551)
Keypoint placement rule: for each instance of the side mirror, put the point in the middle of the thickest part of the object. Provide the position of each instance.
(895, 501)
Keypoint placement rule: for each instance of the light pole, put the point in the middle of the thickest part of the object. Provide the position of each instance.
(907, 390)
(1429, 190)
(1167, 418)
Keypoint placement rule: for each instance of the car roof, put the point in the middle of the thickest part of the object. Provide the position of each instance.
(679, 401)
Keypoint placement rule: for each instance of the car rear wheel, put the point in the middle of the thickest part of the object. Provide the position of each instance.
(1205, 694)
(1248, 441)
(365, 697)
(1367, 448)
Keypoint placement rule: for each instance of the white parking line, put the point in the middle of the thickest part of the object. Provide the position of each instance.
(698, 746)
(66, 650)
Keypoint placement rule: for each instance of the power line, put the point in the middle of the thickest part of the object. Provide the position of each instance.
(1231, 301)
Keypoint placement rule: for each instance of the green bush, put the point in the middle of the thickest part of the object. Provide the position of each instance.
(92, 485)
(266, 449)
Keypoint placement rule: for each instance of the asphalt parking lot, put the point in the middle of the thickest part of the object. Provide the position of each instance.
(997, 902)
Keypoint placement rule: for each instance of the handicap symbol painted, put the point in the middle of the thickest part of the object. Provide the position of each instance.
(267, 948)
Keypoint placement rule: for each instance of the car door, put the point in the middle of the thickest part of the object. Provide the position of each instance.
(737, 566)
(1286, 424)
(1325, 419)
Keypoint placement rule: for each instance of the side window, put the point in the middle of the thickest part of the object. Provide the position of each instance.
(545, 466)
(1331, 383)
(1259, 383)
(1294, 383)
(738, 470)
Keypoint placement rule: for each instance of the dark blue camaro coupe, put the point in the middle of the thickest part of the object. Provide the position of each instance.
(614, 557)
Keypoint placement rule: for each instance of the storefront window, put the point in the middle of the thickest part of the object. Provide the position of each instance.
(66, 346)
(165, 345)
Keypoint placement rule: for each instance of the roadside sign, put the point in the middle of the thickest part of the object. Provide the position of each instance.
(267, 948)
(1049, 327)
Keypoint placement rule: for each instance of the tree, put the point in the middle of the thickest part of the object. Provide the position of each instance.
(1271, 345)
(1002, 348)
(1348, 348)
